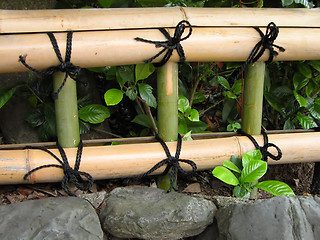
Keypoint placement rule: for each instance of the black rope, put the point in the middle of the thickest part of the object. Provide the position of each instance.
(264, 149)
(172, 162)
(266, 42)
(169, 45)
(64, 66)
(70, 175)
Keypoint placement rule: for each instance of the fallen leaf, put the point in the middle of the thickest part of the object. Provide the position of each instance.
(193, 188)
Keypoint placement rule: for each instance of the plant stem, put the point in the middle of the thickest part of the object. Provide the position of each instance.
(167, 109)
(195, 86)
(252, 102)
(67, 121)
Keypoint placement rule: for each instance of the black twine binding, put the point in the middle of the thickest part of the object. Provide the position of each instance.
(64, 66)
(172, 162)
(266, 42)
(70, 175)
(264, 149)
(169, 45)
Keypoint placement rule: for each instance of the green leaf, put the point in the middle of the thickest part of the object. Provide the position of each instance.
(198, 97)
(125, 74)
(113, 96)
(35, 118)
(299, 81)
(315, 64)
(250, 156)
(236, 161)
(225, 175)
(288, 125)
(314, 109)
(306, 121)
(106, 3)
(237, 87)
(305, 3)
(84, 127)
(192, 114)
(286, 2)
(223, 82)
(143, 120)
(187, 136)
(241, 192)
(182, 126)
(132, 93)
(304, 69)
(183, 103)
(5, 94)
(275, 188)
(233, 127)
(301, 100)
(145, 91)
(229, 94)
(229, 110)
(254, 170)
(143, 71)
(95, 113)
(196, 127)
(230, 165)
(84, 101)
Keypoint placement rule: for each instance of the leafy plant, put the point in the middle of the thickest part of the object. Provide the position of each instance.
(241, 173)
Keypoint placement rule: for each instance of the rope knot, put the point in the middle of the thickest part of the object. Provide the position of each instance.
(172, 163)
(65, 65)
(170, 44)
(264, 149)
(266, 42)
(70, 174)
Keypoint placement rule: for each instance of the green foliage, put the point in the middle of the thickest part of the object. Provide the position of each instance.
(233, 127)
(294, 3)
(6, 93)
(113, 96)
(94, 113)
(242, 173)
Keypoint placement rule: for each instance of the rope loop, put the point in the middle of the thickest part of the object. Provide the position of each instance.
(172, 163)
(170, 44)
(72, 175)
(65, 66)
(266, 42)
(264, 149)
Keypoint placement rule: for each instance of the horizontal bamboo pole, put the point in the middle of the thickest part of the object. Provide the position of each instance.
(22, 21)
(118, 47)
(119, 161)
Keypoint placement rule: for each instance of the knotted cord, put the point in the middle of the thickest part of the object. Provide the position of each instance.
(266, 42)
(70, 175)
(65, 66)
(172, 162)
(169, 45)
(263, 149)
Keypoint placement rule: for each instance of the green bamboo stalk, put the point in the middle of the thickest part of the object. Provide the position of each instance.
(252, 102)
(66, 107)
(167, 109)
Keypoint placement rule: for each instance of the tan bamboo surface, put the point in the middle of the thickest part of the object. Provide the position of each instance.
(22, 21)
(128, 160)
(118, 47)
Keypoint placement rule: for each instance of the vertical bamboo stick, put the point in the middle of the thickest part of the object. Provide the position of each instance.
(252, 102)
(67, 122)
(167, 109)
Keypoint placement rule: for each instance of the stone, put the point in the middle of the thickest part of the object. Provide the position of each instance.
(53, 218)
(96, 199)
(280, 217)
(151, 213)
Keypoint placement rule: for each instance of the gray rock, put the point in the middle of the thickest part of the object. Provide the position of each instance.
(151, 213)
(53, 218)
(284, 218)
